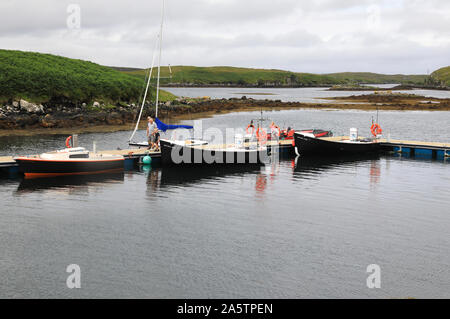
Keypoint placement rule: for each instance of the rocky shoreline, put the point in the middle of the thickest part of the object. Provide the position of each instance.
(23, 115)
(401, 87)
(272, 85)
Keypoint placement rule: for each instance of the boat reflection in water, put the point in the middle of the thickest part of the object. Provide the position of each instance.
(166, 179)
(311, 165)
(267, 176)
(69, 183)
(179, 176)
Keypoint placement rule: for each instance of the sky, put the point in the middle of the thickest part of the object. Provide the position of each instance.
(320, 36)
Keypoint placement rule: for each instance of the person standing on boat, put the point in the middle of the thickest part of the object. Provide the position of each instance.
(152, 129)
(275, 131)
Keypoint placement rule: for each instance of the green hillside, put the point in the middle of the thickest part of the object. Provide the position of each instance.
(375, 78)
(236, 76)
(44, 77)
(262, 77)
(442, 75)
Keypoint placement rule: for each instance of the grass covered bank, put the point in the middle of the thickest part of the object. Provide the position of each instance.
(249, 77)
(47, 78)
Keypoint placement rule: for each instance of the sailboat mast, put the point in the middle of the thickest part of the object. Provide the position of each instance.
(159, 58)
(376, 121)
(146, 90)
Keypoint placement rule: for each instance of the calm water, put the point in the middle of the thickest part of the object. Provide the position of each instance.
(307, 95)
(305, 229)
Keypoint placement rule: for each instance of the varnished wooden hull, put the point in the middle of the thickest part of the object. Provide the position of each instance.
(32, 167)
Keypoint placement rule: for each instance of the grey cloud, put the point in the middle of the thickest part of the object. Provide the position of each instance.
(420, 22)
(314, 36)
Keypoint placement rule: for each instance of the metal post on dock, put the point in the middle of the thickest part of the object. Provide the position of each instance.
(75, 140)
(94, 147)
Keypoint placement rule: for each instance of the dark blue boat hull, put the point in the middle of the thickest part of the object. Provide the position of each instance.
(306, 145)
(174, 154)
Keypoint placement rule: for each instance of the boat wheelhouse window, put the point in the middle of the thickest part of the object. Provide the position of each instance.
(84, 155)
(76, 149)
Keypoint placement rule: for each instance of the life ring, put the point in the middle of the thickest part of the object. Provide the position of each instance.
(261, 134)
(253, 129)
(68, 142)
(376, 129)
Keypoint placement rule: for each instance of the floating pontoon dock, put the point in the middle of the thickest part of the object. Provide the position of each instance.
(430, 150)
(6, 161)
(417, 148)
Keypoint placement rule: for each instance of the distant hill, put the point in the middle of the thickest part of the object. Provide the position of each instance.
(442, 75)
(42, 78)
(223, 75)
(375, 78)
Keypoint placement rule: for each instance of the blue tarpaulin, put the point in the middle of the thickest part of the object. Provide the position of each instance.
(164, 127)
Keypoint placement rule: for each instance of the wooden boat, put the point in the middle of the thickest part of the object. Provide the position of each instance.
(308, 144)
(196, 152)
(68, 161)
